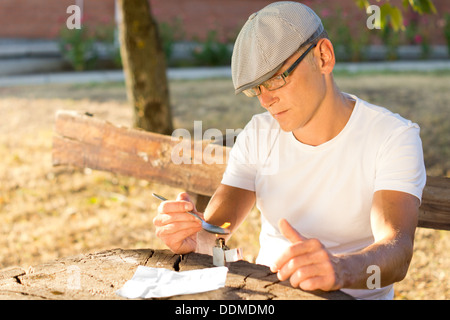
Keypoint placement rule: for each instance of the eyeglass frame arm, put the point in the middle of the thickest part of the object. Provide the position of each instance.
(295, 64)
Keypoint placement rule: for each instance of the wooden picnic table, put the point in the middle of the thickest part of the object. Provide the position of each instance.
(100, 275)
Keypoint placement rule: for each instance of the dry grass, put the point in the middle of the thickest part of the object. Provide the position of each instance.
(47, 212)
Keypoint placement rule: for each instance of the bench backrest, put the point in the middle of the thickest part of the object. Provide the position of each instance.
(86, 142)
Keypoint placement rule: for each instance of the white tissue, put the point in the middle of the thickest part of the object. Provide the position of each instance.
(159, 282)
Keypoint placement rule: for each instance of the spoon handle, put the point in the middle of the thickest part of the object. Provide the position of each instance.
(159, 197)
(164, 199)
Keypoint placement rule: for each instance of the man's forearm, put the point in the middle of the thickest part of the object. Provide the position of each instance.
(228, 204)
(390, 258)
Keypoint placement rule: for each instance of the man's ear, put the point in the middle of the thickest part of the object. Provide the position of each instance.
(324, 53)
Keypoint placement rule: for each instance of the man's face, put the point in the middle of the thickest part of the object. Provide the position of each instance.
(296, 104)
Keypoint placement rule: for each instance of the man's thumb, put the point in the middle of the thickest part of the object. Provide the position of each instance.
(289, 232)
(184, 196)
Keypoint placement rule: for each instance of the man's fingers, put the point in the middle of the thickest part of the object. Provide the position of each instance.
(300, 246)
(289, 232)
(179, 238)
(183, 196)
(163, 219)
(305, 262)
(171, 206)
(301, 253)
(175, 227)
(178, 231)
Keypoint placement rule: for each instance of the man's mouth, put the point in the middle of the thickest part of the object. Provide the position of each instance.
(279, 114)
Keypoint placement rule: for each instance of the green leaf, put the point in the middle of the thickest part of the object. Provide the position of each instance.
(385, 10)
(405, 4)
(393, 15)
(362, 3)
(423, 6)
(396, 19)
(428, 6)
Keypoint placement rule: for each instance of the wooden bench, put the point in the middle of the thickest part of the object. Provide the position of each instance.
(86, 142)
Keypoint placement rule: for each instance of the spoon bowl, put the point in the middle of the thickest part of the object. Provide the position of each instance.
(205, 225)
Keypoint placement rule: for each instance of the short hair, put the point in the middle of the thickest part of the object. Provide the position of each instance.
(312, 40)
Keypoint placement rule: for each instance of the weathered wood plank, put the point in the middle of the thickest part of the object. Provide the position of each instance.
(100, 275)
(84, 141)
(435, 208)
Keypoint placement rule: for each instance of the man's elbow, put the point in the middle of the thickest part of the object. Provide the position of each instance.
(404, 263)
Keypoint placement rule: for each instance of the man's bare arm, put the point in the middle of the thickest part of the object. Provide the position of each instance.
(310, 266)
(394, 219)
(228, 204)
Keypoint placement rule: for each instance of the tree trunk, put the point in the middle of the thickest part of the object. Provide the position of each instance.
(144, 67)
(99, 275)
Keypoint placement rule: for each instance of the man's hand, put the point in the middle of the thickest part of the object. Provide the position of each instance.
(306, 263)
(175, 227)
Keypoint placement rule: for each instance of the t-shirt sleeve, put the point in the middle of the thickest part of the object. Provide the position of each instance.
(400, 164)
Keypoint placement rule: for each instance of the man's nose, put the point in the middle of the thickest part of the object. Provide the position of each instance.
(266, 98)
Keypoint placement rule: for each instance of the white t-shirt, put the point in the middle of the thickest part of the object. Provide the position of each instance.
(326, 191)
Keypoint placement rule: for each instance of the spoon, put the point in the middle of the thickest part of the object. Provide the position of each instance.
(205, 225)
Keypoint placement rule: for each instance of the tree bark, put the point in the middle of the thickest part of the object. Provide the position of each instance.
(99, 275)
(144, 67)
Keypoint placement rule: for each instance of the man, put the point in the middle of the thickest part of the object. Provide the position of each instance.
(338, 181)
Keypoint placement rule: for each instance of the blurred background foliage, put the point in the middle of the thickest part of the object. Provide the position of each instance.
(409, 23)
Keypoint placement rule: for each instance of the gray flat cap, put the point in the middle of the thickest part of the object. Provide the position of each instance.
(268, 38)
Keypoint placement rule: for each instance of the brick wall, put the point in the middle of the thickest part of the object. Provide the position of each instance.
(200, 16)
(197, 17)
(44, 18)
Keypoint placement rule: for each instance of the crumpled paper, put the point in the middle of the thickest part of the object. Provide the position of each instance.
(150, 282)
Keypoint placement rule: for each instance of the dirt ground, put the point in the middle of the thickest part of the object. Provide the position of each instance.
(49, 212)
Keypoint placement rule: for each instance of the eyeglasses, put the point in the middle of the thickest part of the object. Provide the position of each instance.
(278, 81)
